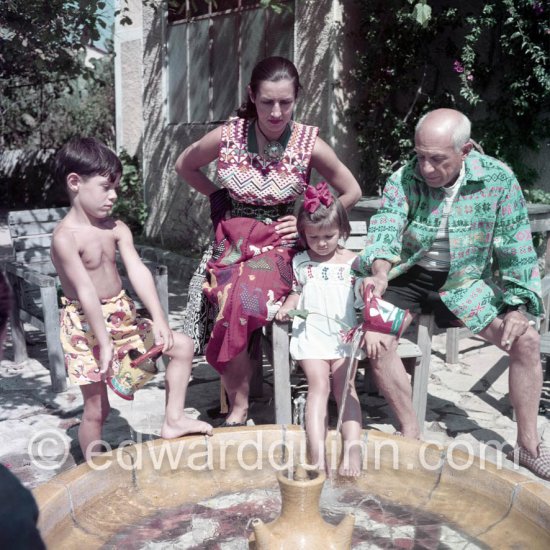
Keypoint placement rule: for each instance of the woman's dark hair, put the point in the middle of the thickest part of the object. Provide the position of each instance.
(270, 69)
(86, 157)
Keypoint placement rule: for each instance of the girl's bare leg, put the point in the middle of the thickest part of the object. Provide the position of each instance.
(317, 372)
(351, 463)
(178, 372)
(96, 410)
(236, 381)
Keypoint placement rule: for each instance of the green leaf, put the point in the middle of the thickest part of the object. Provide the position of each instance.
(422, 14)
(302, 313)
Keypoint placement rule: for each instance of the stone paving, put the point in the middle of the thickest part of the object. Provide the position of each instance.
(467, 404)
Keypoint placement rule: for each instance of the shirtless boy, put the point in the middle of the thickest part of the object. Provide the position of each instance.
(83, 251)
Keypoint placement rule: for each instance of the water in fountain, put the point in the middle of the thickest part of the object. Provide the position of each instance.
(224, 522)
(166, 503)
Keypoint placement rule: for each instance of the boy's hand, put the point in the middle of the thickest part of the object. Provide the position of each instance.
(106, 354)
(163, 335)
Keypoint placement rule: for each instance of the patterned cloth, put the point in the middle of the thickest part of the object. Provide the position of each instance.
(127, 329)
(266, 214)
(246, 284)
(199, 314)
(489, 217)
(249, 272)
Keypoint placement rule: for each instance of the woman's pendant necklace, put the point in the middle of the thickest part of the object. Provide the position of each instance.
(273, 149)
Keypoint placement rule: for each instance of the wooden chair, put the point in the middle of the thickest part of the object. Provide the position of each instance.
(545, 342)
(35, 285)
(277, 350)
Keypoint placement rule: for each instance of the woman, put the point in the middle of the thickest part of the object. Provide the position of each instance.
(264, 160)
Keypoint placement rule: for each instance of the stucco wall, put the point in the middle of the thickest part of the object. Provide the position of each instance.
(323, 48)
(324, 55)
(178, 215)
(128, 79)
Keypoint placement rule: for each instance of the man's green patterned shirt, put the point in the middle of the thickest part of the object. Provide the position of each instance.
(489, 233)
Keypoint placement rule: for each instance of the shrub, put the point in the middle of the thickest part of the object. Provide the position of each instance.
(487, 59)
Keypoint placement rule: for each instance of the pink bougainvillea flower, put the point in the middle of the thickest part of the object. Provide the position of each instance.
(458, 67)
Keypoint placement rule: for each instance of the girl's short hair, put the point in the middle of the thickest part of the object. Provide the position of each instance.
(325, 216)
(270, 69)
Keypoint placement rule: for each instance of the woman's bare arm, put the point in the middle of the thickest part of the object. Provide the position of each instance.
(199, 154)
(336, 173)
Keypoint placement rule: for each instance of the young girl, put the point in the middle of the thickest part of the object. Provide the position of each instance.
(324, 284)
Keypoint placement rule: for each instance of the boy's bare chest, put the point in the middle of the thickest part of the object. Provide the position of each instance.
(96, 247)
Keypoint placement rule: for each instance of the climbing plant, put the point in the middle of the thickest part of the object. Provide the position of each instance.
(488, 59)
(130, 205)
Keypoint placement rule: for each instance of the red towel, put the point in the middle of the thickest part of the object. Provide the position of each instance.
(248, 275)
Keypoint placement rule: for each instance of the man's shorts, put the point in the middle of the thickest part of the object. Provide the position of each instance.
(417, 291)
(127, 329)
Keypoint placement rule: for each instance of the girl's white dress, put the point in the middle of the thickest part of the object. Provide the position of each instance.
(326, 288)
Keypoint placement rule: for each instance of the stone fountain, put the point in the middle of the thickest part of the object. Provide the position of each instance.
(193, 491)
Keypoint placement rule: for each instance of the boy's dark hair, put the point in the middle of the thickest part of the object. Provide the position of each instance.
(86, 157)
(325, 216)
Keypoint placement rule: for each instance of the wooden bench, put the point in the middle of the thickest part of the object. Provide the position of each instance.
(545, 338)
(35, 285)
(278, 351)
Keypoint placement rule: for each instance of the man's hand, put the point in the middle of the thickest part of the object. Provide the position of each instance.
(376, 344)
(379, 282)
(513, 326)
(378, 279)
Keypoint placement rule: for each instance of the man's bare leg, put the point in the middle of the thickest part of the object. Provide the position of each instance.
(393, 382)
(178, 372)
(525, 380)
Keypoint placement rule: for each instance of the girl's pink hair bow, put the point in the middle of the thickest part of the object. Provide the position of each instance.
(315, 196)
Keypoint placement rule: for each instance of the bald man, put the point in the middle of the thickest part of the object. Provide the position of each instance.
(443, 217)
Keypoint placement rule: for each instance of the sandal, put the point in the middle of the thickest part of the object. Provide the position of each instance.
(539, 465)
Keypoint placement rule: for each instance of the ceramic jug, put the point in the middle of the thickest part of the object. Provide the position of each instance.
(300, 525)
